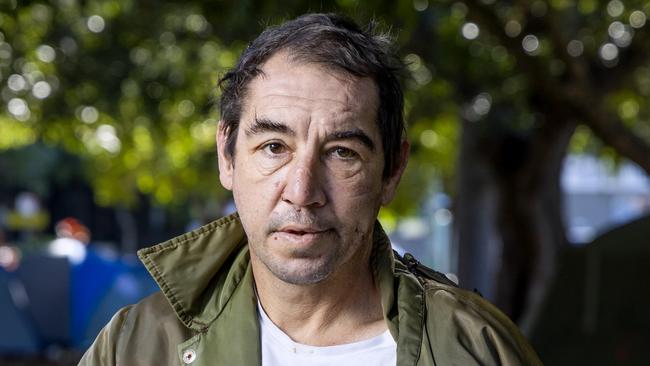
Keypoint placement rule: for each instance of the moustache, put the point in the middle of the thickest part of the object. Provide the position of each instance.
(303, 219)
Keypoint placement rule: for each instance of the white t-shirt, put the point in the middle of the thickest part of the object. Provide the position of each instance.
(280, 350)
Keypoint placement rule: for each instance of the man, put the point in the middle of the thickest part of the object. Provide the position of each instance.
(310, 143)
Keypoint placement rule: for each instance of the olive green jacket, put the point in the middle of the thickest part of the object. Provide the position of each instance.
(206, 311)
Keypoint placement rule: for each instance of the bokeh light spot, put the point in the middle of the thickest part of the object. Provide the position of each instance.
(616, 29)
(539, 8)
(608, 52)
(458, 10)
(620, 33)
(89, 114)
(41, 90)
(470, 30)
(95, 24)
(9, 258)
(443, 217)
(482, 104)
(429, 139)
(107, 138)
(19, 109)
(186, 108)
(513, 28)
(16, 82)
(637, 19)
(45, 53)
(420, 5)
(530, 43)
(615, 8)
(629, 109)
(196, 23)
(575, 48)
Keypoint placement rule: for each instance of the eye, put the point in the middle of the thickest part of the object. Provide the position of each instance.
(344, 153)
(274, 148)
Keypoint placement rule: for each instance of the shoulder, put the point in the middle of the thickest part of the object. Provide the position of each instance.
(461, 324)
(144, 331)
(460, 327)
(154, 310)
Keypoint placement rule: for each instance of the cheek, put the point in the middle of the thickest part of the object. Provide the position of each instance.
(256, 167)
(256, 195)
(358, 198)
(259, 176)
(360, 187)
(268, 166)
(343, 171)
(360, 181)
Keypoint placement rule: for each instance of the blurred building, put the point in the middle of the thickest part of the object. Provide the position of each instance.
(599, 198)
(428, 236)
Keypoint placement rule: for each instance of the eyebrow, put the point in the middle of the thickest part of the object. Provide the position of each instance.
(262, 125)
(353, 134)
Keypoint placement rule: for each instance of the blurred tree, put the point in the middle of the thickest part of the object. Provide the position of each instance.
(541, 69)
(494, 94)
(529, 79)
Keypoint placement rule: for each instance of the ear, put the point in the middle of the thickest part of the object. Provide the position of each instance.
(225, 161)
(390, 183)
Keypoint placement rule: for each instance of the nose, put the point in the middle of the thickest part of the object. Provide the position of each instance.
(304, 186)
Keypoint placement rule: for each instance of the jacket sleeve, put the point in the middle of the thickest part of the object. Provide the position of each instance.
(464, 329)
(104, 349)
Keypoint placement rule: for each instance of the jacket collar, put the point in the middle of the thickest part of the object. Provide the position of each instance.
(206, 277)
(192, 270)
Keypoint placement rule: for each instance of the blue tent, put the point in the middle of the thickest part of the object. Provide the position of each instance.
(49, 301)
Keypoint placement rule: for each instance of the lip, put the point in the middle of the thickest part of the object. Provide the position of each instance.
(299, 236)
(301, 230)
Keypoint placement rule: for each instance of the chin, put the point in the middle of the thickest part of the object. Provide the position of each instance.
(303, 275)
(304, 280)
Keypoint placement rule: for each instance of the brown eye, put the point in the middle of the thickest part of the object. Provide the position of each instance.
(344, 153)
(274, 148)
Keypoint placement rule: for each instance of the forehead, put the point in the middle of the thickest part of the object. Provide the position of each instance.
(295, 90)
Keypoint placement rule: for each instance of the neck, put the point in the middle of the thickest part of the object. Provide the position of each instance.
(344, 308)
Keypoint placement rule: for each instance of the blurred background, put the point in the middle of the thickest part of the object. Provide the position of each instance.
(528, 180)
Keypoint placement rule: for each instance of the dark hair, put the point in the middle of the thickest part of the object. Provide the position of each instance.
(333, 41)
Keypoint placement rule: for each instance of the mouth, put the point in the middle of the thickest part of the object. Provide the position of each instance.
(301, 230)
(300, 235)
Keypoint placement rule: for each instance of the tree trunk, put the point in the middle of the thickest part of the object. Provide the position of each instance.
(509, 223)
(476, 236)
(530, 217)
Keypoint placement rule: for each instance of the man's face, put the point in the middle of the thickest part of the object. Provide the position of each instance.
(306, 175)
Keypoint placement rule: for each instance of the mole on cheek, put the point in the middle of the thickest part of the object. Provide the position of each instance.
(360, 234)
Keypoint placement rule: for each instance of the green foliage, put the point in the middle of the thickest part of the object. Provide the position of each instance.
(130, 86)
(132, 99)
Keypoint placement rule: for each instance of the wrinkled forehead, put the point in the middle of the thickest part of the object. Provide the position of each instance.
(285, 78)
